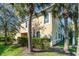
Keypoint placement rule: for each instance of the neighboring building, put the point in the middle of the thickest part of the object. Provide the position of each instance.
(43, 26)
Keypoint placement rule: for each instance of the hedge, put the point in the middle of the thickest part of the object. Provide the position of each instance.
(10, 40)
(40, 43)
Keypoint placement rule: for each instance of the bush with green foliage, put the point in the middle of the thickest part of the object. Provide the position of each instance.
(1, 38)
(40, 43)
(10, 40)
(23, 41)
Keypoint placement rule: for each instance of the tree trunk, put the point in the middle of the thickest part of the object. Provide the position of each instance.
(5, 31)
(73, 39)
(5, 37)
(76, 29)
(78, 47)
(66, 41)
(30, 32)
(73, 33)
(78, 43)
(78, 35)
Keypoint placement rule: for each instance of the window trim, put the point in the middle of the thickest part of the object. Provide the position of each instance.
(47, 16)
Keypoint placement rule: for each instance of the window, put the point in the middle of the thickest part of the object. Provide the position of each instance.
(38, 34)
(46, 18)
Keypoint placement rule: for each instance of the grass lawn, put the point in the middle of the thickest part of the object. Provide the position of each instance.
(16, 51)
(9, 50)
(61, 45)
(47, 54)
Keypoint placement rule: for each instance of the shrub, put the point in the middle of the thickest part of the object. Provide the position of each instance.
(36, 43)
(46, 42)
(39, 43)
(2, 38)
(10, 40)
(23, 41)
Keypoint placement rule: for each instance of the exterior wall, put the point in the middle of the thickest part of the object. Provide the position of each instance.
(49, 30)
(17, 35)
(23, 28)
(48, 27)
(45, 29)
(54, 32)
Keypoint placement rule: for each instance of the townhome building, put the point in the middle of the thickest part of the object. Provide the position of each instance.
(44, 25)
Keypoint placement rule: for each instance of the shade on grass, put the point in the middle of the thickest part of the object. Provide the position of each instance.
(9, 50)
(61, 45)
(48, 54)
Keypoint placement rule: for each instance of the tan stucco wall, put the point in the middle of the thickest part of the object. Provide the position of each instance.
(23, 28)
(17, 35)
(46, 28)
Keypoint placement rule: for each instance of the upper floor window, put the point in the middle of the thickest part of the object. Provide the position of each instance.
(46, 18)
